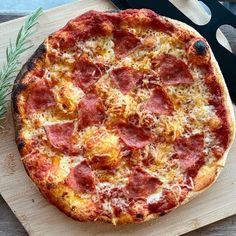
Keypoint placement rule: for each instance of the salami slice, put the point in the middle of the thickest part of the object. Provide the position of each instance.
(60, 136)
(40, 98)
(86, 73)
(189, 151)
(134, 137)
(91, 111)
(124, 43)
(174, 71)
(159, 103)
(141, 184)
(125, 78)
(81, 178)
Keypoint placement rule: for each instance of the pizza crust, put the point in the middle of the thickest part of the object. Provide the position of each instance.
(19, 86)
(207, 175)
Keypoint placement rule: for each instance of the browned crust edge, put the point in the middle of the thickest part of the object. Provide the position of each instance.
(20, 86)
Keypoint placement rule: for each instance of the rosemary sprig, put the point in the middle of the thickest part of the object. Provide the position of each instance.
(13, 53)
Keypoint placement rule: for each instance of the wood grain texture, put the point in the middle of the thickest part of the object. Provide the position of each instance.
(39, 217)
(10, 226)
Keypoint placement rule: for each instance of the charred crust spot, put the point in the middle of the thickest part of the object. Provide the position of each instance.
(17, 89)
(50, 186)
(40, 51)
(200, 47)
(162, 214)
(139, 216)
(64, 194)
(20, 144)
(30, 65)
(37, 55)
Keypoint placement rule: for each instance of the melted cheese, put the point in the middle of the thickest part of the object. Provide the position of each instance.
(103, 146)
(171, 127)
(154, 197)
(67, 97)
(100, 48)
(120, 106)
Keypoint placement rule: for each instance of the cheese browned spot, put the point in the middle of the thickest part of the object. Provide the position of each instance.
(102, 149)
(38, 165)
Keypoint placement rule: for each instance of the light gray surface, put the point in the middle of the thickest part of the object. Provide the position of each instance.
(10, 226)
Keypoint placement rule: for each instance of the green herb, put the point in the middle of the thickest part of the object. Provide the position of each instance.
(13, 54)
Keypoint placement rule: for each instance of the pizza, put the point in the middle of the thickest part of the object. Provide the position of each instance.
(122, 116)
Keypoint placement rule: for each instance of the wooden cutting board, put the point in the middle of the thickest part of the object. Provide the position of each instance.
(40, 218)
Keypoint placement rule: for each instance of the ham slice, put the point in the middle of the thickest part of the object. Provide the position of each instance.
(86, 73)
(189, 152)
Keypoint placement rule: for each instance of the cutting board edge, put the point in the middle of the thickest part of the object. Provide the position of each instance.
(193, 226)
(27, 226)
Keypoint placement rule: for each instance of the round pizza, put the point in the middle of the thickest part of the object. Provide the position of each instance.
(122, 116)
